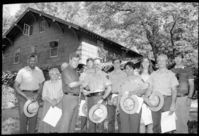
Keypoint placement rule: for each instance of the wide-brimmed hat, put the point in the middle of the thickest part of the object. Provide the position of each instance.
(97, 115)
(30, 108)
(129, 104)
(157, 100)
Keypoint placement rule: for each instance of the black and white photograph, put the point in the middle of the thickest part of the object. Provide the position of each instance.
(99, 67)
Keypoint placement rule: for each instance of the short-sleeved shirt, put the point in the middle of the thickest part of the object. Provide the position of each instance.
(183, 74)
(97, 82)
(116, 77)
(52, 90)
(29, 79)
(134, 83)
(70, 75)
(163, 81)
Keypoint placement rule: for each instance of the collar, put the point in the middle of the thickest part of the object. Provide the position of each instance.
(28, 68)
(163, 71)
(182, 67)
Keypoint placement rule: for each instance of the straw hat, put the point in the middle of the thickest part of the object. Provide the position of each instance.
(97, 115)
(30, 108)
(157, 100)
(129, 104)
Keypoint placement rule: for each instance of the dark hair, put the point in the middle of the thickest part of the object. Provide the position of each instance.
(178, 54)
(32, 56)
(74, 55)
(150, 68)
(89, 59)
(116, 58)
(130, 64)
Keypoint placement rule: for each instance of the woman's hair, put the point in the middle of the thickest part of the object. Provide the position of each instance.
(54, 69)
(130, 64)
(150, 68)
(89, 59)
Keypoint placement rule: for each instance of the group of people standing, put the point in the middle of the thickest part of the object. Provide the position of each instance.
(97, 87)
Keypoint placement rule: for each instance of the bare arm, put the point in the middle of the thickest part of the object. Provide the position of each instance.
(16, 87)
(75, 84)
(107, 92)
(174, 96)
(191, 88)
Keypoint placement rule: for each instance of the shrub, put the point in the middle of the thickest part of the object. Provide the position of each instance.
(9, 99)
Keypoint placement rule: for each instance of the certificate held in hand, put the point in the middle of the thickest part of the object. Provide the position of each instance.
(53, 116)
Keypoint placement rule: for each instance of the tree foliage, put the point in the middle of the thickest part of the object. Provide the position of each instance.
(149, 26)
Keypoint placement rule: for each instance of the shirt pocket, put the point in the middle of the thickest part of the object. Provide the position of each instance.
(27, 78)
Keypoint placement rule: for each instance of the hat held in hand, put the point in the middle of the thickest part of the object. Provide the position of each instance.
(30, 108)
(157, 100)
(97, 115)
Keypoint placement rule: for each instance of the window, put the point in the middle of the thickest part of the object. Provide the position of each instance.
(33, 49)
(16, 56)
(27, 30)
(42, 26)
(54, 48)
(100, 44)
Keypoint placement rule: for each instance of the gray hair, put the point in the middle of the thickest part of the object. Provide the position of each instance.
(54, 70)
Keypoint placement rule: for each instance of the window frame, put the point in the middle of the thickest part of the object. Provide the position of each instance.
(28, 29)
(15, 52)
(42, 24)
(35, 47)
(57, 40)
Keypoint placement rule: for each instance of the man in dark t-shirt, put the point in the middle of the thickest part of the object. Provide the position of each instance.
(71, 89)
(184, 93)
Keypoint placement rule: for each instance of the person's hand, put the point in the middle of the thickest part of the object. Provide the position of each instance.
(35, 97)
(139, 93)
(99, 103)
(172, 109)
(188, 102)
(146, 100)
(131, 93)
(86, 92)
(53, 103)
(117, 110)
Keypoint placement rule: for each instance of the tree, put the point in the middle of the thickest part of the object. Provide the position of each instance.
(69, 11)
(156, 27)
(7, 19)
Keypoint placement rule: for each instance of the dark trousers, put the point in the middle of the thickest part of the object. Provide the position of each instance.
(27, 125)
(92, 126)
(69, 113)
(83, 119)
(111, 119)
(130, 123)
(156, 116)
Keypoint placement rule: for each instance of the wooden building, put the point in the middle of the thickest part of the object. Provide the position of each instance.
(53, 40)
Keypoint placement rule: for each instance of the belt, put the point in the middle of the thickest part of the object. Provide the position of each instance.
(114, 93)
(31, 91)
(182, 95)
(95, 94)
(71, 94)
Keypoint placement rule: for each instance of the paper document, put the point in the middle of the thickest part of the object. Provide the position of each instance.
(168, 122)
(53, 116)
(81, 113)
(146, 114)
(140, 100)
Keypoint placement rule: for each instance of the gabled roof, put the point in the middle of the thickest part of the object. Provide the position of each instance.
(30, 12)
